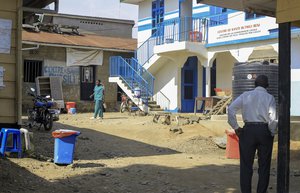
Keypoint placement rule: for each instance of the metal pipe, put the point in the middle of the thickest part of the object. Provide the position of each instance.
(81, 47)
(31, 48)
(19, 65)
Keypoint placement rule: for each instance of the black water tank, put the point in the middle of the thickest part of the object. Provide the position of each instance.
(244, 75)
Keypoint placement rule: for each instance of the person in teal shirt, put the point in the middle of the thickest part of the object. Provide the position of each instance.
(98, 98)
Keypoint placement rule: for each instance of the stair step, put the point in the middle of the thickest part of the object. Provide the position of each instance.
(152, 102)
(156, 109)
(154, 106)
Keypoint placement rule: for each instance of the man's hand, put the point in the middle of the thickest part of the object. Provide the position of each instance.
(238, 131)
(91, 96)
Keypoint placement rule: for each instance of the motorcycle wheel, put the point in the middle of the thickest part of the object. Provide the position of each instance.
(48, 122)
(122, 107)
(30, 120)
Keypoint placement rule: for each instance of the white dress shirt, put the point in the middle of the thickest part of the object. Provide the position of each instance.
(256, 106)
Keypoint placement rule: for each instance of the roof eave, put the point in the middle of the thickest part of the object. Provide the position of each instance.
(264, 7)
(75, 46)
(135, 2)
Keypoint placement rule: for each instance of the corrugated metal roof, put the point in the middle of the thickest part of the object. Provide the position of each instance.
(88, 41)
(114, 20)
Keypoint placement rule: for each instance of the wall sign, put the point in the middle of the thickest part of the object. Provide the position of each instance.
(70, 75)
(238, 28)
(5, 36)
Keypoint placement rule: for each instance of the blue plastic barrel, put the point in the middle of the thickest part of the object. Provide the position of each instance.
(64, 146)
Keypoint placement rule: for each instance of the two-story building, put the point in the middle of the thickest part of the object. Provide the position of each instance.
(191, 48)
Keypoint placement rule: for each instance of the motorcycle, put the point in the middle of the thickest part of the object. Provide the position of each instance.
(42, 112)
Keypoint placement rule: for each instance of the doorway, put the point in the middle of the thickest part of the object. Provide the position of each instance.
(87, 82)
(189, 84)
(213, 76)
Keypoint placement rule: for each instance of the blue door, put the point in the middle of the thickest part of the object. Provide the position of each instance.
(189, 84)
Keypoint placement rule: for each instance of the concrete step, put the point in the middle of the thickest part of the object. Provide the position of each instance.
(156, 109)
(152, 102)
(154, 106)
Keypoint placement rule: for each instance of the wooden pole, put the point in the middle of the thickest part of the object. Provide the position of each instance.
(284, 91)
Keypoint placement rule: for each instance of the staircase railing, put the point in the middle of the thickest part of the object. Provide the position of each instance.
(146, 50)
(120, 67)
(162, 100)
(145, 74)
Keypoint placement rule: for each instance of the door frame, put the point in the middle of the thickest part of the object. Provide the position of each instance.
(91, 84)
(189, 65)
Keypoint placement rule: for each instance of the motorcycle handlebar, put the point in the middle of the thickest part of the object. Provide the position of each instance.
(37, 97)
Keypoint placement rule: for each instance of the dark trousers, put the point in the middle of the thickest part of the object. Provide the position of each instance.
(254, 137)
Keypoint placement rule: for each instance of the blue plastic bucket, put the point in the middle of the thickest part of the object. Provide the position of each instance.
(72, 111)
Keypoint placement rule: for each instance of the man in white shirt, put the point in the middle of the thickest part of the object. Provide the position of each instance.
(258, 110)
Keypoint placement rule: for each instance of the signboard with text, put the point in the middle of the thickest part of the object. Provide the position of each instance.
(238, 29)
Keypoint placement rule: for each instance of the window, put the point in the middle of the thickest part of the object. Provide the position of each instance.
(158, 11)
(249, 15)
(32, 69)
(219, 15)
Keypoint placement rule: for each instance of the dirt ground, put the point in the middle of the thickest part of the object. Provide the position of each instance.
(131, 154)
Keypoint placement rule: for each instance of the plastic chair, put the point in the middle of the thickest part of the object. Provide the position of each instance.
(16, 137)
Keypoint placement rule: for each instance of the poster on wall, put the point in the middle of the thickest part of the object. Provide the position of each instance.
(2, 77)
(5, 36)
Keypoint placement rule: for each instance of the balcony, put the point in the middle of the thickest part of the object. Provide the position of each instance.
(179, 36)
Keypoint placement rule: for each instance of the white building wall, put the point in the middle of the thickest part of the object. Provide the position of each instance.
(295, 77)
(145, 17)
(166, 81)
(186, 8)
(224, 62)
(171, 9)
(144, 22)
(200, 79)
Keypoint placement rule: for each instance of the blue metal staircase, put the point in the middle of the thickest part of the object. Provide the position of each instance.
(133, 75)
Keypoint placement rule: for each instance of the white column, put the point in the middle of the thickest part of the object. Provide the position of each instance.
(207, 81)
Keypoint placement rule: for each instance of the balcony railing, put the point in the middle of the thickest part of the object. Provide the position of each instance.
(175, 30)
(132, 74)
(183, 29)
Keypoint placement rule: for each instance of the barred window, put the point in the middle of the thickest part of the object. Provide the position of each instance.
(32, 69)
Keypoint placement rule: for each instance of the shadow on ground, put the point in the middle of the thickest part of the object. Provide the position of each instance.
(135, 178)
(94, 145)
